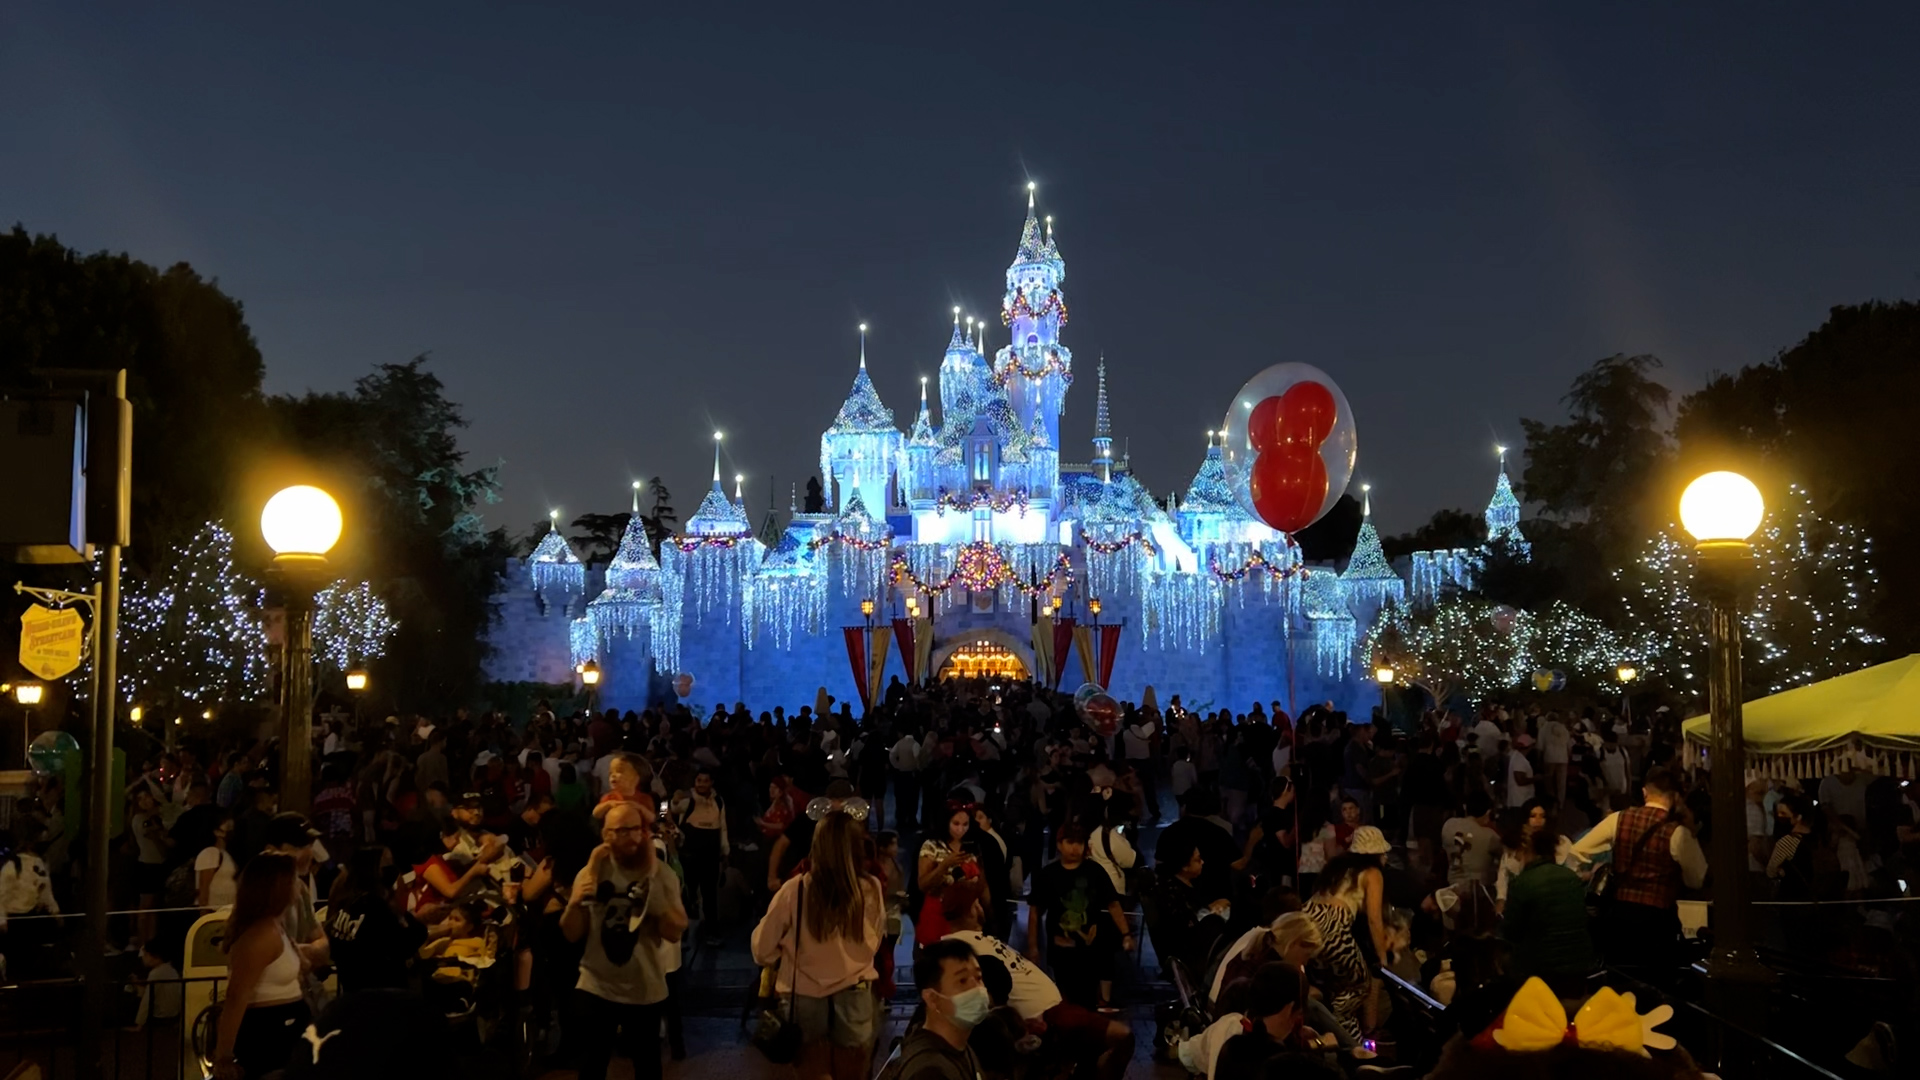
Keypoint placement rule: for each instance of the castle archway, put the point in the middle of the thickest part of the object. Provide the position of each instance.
(994, 654)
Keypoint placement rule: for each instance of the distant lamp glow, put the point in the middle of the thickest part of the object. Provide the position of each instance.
(301, 520)
(356, 681)
(913, 607)
(207, 714)
(1383, 675)
(866, 608)
(590, 673)
(1093, 605)
(1721, 506)
(177, 721)
(28, 693)
(136, 713)
(1626, 673)
(1057, 601)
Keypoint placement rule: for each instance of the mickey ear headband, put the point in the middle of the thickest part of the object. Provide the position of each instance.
(1535, 1020)
(855, 808)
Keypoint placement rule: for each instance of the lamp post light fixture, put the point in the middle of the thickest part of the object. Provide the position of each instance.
(356, 681)
(866, 611)
(1383, 675)
(301, 524)
(1093, 608)
(589, 672)
(1056, 602)
(27, 695)
(136, 714)
(913, 607)
(1721, 510)
(1626, 673)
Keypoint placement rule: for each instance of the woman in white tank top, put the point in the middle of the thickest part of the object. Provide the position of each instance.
(263, 1013)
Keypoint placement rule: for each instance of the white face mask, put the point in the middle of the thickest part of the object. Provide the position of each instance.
(970, 1007)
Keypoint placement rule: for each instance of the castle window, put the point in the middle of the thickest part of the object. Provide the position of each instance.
(982, 462)
(982, 523)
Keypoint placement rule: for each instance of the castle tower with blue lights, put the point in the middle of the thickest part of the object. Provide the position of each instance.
(970, 541)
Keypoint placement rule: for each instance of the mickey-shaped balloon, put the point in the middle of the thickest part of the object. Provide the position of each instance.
(1289, 445)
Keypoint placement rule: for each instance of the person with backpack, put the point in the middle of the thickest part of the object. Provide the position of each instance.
(701, 816)
(956, 1001)
(1654, 854)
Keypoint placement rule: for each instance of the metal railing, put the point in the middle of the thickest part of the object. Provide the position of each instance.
(162, 1031)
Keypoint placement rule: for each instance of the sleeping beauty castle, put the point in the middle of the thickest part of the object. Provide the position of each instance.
(965, 545)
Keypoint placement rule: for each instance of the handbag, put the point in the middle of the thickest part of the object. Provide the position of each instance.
(1134, 877)
(776, 1036)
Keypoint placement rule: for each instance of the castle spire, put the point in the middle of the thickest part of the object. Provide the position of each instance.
(739, 480)
(1366, 501)
(863, 346)
(1102, 430)
(636, 496)
(716, 461)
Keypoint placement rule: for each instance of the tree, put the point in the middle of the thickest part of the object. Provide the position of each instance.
(1835, 414)
(193, 372)
(1809, 617)
(1331, 537)
(660, 518)
(600, 535)
(1444, 530)
(1449, 647)
(192, 633)
(394, 443)
(816, 497)
(1600, 466)
(351, 625)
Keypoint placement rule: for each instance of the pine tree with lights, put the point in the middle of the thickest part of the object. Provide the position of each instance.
(351, 625)
(1806, 619)
(193, 632)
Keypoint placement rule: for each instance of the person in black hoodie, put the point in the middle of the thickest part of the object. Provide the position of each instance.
(373, 939)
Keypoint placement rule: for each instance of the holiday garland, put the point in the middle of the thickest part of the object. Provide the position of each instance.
(980, 567)
(1054, 365)
(1021, 306)
(694, 543)
(1255, 561)
(999, 504)
(1109, 547)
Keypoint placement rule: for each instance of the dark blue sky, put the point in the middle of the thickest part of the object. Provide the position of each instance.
(615, 229)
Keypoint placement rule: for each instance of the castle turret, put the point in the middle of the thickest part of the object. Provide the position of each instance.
(1035, 368)
(1503, 512)
(862, 446)
(1102, 431)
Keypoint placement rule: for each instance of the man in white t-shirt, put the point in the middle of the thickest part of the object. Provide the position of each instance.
(1556, 747)
(1845, 793)
(1520, 783)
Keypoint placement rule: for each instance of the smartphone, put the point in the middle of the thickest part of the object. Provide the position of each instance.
(663, 809)
(518, 873)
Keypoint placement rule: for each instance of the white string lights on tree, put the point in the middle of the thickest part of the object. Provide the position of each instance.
(1805, 619)
(194, 631)
(351, 625)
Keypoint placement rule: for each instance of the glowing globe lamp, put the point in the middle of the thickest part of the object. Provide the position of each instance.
(590, 673)
(302, 521)
(1721, 507)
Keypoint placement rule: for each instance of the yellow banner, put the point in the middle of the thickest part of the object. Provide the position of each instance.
(51, 641)
(879, 639)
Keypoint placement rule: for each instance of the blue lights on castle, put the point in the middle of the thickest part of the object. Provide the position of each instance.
(976, 540)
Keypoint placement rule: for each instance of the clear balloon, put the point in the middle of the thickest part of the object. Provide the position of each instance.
(683, 684)
(1086, 691)
(1504, 617)
(47, 752)
(1102, 714)
(1288, 445)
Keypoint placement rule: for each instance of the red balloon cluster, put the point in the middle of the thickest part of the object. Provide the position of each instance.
(1102, 714)
(1288, 480)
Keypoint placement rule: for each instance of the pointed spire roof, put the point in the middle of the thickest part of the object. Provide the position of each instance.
(633, 565)
(1503, 510)
(922, 434)
(1102, 420)
(1209, 493)
(1033, 243)
(1368, 561)
(863, 412)
(718, 515)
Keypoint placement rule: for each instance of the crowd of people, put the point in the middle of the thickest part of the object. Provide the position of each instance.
(539, 881)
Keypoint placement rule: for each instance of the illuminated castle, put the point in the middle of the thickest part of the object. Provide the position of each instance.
(973, 538)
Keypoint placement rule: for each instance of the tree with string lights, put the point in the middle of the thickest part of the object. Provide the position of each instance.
(1809, 617)
(193, 632)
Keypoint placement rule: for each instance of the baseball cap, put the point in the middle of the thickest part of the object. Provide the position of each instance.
(468, 799)
(289, 829)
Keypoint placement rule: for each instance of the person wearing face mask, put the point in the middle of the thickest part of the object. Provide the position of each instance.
(956, 1002)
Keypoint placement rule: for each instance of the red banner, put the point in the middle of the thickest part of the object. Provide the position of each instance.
(903, 633)
(1062, 645)
(857, 656)
(1109, 646)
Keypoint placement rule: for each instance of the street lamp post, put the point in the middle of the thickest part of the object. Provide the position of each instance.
(1721, 510)
(866, 610)
(589, 678)
(301, 524)
(28, 696)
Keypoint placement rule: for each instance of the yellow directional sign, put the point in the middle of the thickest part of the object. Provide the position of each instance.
(51, 641)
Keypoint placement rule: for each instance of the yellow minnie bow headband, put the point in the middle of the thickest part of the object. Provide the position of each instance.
(1535, 1020)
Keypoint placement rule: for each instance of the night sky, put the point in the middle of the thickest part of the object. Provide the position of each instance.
(615, 230)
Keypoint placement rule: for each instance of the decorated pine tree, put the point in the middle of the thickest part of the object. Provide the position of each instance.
(1806, 618)
(193, 631)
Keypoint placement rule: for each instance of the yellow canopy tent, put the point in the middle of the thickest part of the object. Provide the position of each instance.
(1806, 732)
